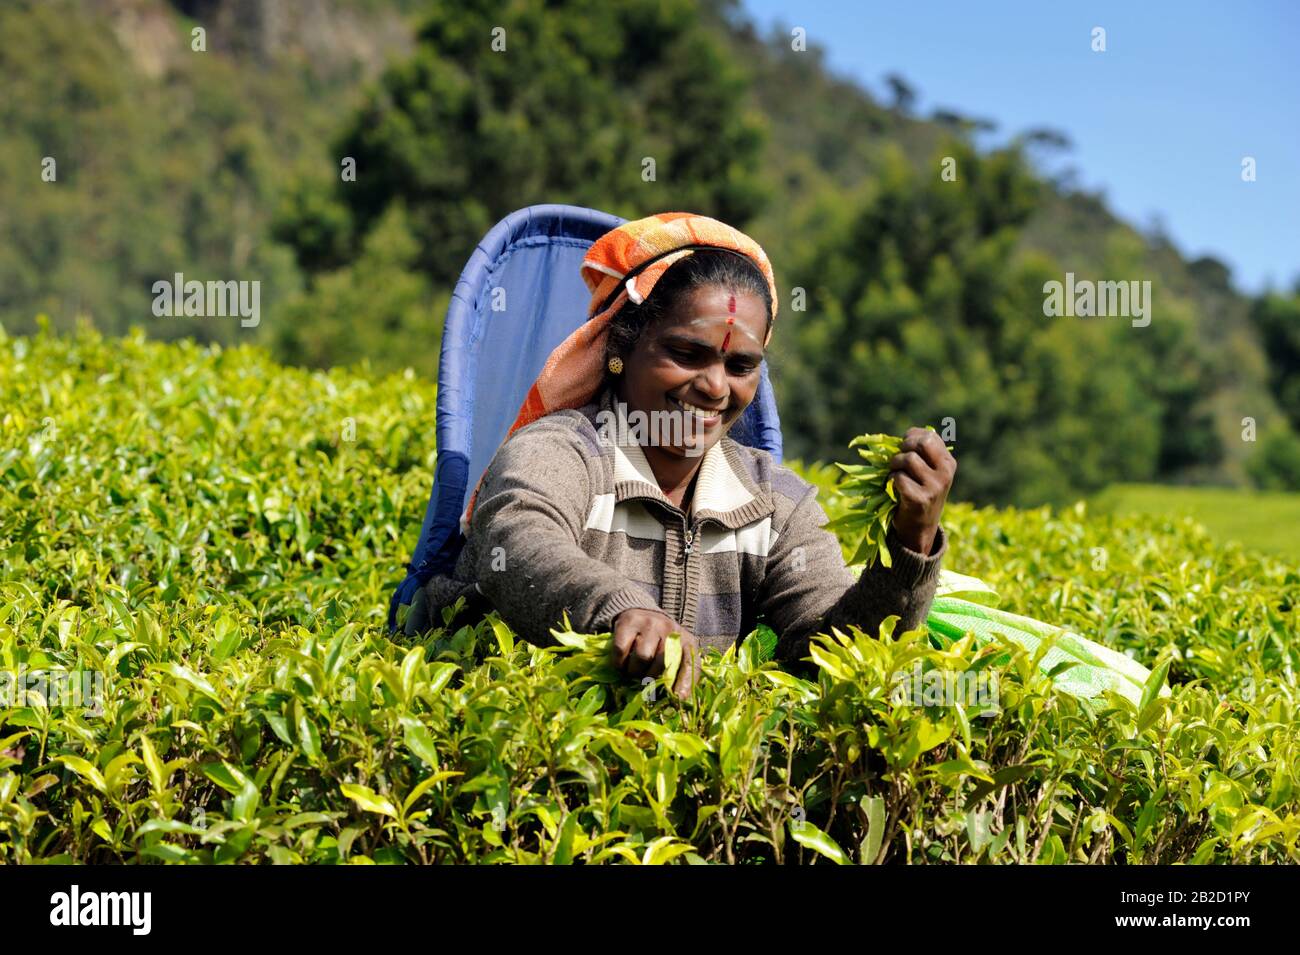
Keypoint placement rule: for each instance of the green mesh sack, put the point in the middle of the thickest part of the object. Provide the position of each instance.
(965, 605)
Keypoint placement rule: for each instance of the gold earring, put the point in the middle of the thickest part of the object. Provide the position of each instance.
(616, 365)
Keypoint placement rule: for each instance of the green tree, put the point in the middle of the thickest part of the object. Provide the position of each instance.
(504, 106)
(922, 309)
(1277, 317)
(1275, 465)
(377, 307)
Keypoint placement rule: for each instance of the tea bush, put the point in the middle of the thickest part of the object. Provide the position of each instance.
(214, 538)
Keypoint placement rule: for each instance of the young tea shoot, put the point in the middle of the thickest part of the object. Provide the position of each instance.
(872, 484)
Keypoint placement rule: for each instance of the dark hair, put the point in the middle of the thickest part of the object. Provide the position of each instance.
(702, 268)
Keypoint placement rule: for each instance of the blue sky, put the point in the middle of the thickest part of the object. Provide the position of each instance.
(1160, 121)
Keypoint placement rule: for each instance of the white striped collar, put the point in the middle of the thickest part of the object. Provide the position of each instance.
(718, 488)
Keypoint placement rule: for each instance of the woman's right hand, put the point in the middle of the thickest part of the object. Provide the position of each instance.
(638, 647)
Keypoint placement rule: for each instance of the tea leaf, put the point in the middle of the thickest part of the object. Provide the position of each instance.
(806, 834)
(368, 799)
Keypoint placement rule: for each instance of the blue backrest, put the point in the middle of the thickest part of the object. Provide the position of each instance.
(518, 297)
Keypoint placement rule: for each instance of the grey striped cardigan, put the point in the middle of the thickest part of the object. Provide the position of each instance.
(570, 520)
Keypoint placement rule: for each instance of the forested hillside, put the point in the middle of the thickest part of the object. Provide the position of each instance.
(908, 296)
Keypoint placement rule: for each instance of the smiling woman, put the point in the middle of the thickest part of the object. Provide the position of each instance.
(691, 353)
(694, 534)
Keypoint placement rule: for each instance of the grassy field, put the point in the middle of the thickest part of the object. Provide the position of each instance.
(1262, 521)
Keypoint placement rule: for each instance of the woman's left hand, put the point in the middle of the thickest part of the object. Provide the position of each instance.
(923, 470)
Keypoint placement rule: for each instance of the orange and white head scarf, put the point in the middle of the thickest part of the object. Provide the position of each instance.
(624, 264)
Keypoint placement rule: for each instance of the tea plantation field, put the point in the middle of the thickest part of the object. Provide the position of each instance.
(209, 542)
(1267, 521)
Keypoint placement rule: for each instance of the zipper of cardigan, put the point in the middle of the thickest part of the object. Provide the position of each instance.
(690, 532)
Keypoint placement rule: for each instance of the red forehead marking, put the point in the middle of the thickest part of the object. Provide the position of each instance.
(731, 320)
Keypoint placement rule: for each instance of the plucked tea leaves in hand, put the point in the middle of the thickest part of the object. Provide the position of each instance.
(872, 486)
